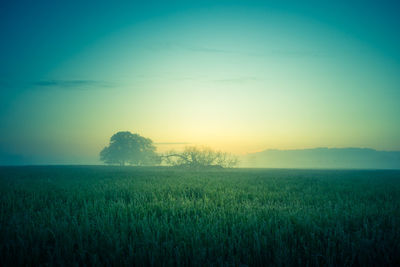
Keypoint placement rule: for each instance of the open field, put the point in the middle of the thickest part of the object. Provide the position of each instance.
(161, 216)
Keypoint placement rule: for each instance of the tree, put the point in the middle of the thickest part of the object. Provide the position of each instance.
(193, 157)
(129, 148)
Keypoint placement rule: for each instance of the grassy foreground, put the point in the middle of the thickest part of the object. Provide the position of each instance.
(160, 216)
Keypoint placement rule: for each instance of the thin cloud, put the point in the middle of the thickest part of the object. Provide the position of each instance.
(72, 84)
(272, 52)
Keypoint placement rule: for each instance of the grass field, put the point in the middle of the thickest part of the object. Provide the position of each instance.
(161, 216)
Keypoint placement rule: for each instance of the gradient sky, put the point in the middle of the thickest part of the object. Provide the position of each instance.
(241, 76)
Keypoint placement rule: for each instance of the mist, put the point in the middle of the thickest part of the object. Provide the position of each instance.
(324, 158)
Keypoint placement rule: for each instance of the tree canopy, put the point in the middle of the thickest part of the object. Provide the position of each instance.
(194, 157)
(129, 148)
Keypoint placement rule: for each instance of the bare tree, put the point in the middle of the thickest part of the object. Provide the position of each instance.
(194, 157)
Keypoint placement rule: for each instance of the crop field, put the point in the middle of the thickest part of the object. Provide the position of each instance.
(169, 217)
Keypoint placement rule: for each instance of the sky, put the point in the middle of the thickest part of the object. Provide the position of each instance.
(238, 76)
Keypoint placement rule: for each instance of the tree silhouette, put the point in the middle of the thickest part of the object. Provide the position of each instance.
(194, 157)
(129, 148)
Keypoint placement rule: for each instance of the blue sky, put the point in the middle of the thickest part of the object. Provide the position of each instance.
(240, 76)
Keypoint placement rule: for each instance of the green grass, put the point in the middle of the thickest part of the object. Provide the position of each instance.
(161, 216)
